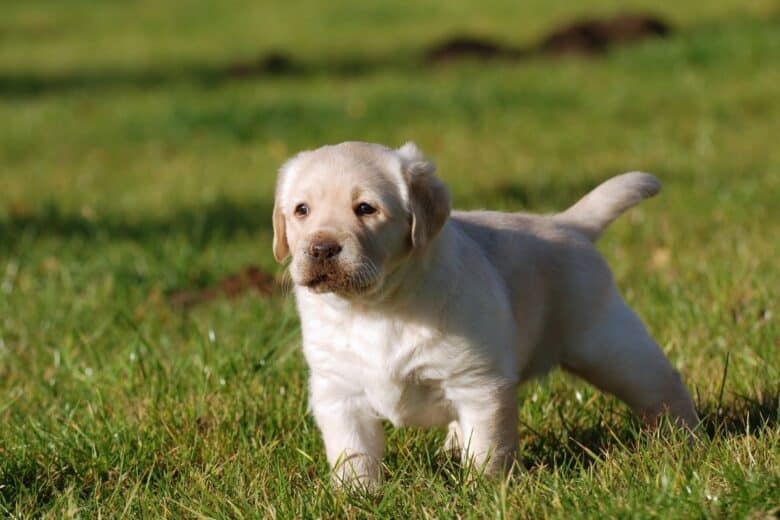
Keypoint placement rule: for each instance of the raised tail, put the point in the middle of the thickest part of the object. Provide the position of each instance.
(595, 211)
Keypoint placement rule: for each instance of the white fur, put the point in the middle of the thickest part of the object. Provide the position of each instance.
(449, 327)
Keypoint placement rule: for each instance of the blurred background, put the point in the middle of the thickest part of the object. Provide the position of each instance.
(139, 144)
(149, 119)
(130, 107)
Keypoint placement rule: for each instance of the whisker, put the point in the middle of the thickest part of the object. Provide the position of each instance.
(286, 283)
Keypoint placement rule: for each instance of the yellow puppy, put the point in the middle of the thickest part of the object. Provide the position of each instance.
(420, 316)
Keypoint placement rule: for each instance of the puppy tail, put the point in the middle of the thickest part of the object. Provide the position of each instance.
(595, 211)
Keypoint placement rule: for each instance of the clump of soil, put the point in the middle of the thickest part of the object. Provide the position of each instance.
(596, 35)
(250, 278)
(587, 36)
(271, 63)
(468, 46)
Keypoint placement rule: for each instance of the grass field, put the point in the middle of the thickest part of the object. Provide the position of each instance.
(132, 166)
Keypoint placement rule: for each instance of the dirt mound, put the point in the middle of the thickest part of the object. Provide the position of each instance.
(269, 64)
(587, 36)
(468, 46)
(596, 35)
(250, 278)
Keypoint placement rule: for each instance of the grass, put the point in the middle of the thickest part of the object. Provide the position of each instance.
(130, 168)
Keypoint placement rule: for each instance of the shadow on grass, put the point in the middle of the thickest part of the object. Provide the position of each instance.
(744, 415)
(30, 84)
(580, 445)
(225, 218)
(579, 442)
(199, 224)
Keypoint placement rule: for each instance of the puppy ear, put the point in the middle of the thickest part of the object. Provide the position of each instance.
(280, 245)
(410, 153)
(429, 199)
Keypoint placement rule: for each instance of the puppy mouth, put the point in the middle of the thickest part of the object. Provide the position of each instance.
(340, 283)
(317, 281)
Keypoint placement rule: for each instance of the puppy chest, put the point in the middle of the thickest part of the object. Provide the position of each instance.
(404, 383)
(409, 403)
(400, 370)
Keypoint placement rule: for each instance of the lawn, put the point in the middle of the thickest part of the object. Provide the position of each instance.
(136, 163)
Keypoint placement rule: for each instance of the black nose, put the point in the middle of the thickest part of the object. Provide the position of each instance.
(324, 249)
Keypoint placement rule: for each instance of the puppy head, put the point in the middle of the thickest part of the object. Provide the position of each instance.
(350, 213)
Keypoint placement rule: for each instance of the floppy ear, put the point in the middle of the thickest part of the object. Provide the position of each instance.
(429, 199)
(281, 247)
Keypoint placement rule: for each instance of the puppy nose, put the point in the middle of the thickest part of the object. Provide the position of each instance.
(324, 249)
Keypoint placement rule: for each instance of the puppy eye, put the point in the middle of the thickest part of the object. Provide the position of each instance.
(364, 209)
(301, 210)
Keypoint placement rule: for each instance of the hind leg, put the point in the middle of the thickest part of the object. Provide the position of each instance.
(618, 356)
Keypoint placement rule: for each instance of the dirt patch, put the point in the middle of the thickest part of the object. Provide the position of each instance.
(250, 278)
(587, 36)
(465, 46)
(596, 35)
(270, 64)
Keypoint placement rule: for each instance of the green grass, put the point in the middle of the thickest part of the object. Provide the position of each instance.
(129, 168)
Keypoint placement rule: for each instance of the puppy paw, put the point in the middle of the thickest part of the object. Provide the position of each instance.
(453, 446)
(358, 472)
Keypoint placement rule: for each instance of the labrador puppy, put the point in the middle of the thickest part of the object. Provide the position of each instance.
(421, 316)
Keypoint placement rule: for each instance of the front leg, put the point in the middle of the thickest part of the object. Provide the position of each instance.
(353, 436)
(487, 420)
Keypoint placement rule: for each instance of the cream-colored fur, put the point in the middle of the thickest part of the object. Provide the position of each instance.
(421, 317)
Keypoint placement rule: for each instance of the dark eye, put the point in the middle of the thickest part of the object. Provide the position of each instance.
(301, 210)
(364, 209)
